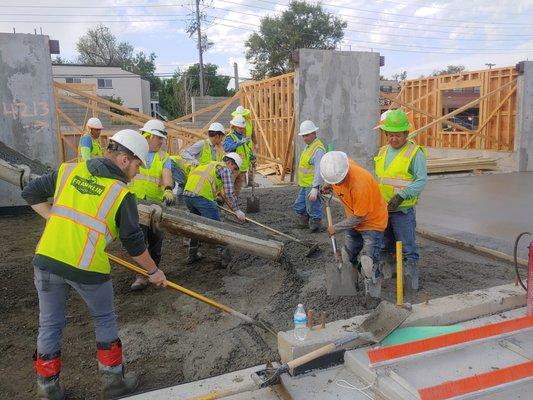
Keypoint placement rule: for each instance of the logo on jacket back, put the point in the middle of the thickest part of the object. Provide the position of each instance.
(87, 186)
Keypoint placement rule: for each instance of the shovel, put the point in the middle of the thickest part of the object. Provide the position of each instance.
(376, 327)
(341, 276)
(252, 203)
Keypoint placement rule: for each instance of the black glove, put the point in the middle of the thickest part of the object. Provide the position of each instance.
(395, 202)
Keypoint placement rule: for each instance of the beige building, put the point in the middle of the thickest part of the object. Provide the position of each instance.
(110, 82)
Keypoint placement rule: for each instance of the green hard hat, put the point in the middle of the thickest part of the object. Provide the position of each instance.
(395, 121)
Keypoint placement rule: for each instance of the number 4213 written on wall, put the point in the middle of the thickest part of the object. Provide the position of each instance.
(18, 109)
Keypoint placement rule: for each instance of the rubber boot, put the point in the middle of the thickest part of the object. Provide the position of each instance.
(413, 273)
(315, 225)
(114, 382)
(193, 255)
(372, 292)
(48, 367)
(140, 283)
(302, 221)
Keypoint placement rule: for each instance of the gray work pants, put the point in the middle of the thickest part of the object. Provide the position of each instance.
(53, 293)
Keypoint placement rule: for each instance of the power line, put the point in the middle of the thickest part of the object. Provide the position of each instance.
(117, 6)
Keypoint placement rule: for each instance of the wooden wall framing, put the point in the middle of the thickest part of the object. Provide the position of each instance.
(497, 112)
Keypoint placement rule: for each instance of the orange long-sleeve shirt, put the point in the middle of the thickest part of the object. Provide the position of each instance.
(360, 195)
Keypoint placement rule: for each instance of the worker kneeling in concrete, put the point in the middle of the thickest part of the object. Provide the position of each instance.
(308, 206)
(91, 207)
(200, 194)
(89, 146)
(401, 168)
(153, 183)
(366, 215)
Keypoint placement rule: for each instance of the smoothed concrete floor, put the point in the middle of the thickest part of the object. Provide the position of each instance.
(488, 210)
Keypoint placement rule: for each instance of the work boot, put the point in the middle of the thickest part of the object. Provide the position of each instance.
(50, 388)
(48, 367)
(386, 268)
(115, 383)
(367, 265)
(193, 255)
(315, 225)
(412, 267)
(302, 221)
(140, 283)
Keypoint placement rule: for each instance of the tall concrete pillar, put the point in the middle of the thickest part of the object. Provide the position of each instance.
(27, 110)
(524, 117)
(339, 92)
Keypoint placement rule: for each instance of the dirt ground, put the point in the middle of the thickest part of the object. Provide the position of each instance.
(169, 338)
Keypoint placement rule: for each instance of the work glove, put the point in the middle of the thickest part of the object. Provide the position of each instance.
(326, 189)
(395, 202)
(168, 197)
(312, 195)
(244, 140)
(157, 277)
(239, 214)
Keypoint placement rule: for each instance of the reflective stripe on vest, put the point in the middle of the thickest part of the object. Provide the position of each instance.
(148, 183)
(306, 171)
(88, 223)
(203, 180)
(396, 177)
(206, 156)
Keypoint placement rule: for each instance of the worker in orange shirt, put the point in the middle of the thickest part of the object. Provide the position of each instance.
(366, 216)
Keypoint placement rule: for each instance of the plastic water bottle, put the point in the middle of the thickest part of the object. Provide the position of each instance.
(300, 323)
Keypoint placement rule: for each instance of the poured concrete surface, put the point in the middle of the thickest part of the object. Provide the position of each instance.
(488, 210)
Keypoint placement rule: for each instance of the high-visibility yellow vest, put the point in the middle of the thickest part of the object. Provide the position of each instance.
(205, 155)
(82, 220)
(182, 164)
(396, 177)
(204, 182)
(244, 151)
(249, 127)
(306, 171)
(96, 148)
(148, 184)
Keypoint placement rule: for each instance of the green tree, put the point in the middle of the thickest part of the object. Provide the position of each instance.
(400, 76)
(450, 69)
(302, 25)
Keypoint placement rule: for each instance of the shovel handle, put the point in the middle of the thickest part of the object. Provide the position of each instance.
(333, 241)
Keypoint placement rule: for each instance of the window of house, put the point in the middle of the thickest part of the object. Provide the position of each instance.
(386, 89)
(105, 84)
(73, 80)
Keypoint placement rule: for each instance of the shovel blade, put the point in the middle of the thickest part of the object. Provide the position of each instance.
(385, 318)
(341, 281)
(252, 205)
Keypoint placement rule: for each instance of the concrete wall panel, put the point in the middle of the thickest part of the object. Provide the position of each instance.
(27, 117)
(339, 92)
(524, 118)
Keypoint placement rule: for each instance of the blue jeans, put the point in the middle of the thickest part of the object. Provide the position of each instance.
(402, 227)
(53, 292)
(363, 243)
(303, 206)
(203, 207)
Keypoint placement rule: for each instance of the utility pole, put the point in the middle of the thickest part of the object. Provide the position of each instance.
(490, 65)
(199, 31)
(236, 75)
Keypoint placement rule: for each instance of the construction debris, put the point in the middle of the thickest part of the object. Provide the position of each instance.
(443, 165)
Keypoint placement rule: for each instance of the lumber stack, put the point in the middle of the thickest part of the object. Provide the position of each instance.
(443, 165)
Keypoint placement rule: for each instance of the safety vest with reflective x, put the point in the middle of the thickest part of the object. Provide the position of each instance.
(147, 184)
(396, 177)
(204, 181)
(206, 155)
(306, 171)
(82, 219)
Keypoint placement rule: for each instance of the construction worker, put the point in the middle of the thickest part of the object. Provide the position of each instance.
(237, 141)
(401, 168)
(206, 150)
(307, 205)
(249, 131)
(91, 206)
(201, 190)
(153, 183)
(366, 216)
(89, 145)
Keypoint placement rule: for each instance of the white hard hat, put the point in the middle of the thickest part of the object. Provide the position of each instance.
(238, 121)
(239, 110)
(334, 167)
(216, 127)
(133, 141)
(307, 127)
(155, 127)
(235, 157)
(94, 123)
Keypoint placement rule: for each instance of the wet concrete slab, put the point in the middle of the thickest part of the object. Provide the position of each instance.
(488, 210)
